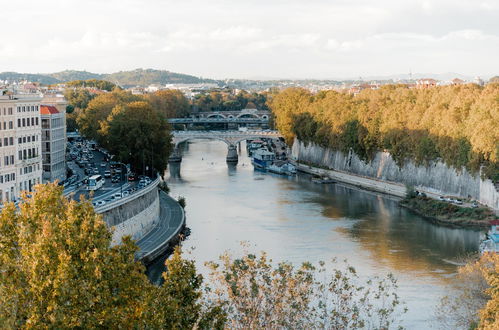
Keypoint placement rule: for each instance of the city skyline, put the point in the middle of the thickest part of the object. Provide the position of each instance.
(254, 40)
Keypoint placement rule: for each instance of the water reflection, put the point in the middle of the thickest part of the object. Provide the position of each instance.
(296, 220)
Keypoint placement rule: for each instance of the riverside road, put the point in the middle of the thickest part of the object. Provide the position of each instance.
(170, 223)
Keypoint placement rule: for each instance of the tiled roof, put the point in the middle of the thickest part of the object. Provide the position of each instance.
(48, 110)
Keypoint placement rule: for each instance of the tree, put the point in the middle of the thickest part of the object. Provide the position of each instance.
(58, 270)
(78, 97)
(258, 294)
(139, 135)
(476, 301)
(179, 299)
(99, 109)
(171, 103)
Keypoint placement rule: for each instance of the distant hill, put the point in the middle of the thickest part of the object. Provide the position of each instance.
(70, 75)
(149, 76)
(138, 77)
(45, 79)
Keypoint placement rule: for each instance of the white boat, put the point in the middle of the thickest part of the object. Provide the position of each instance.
(262, 158)
(284, 168)
(491, 242)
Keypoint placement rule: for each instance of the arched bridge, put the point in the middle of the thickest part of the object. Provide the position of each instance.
(231, 138)
(245, 116)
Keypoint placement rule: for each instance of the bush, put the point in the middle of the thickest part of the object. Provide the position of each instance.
(181, 201)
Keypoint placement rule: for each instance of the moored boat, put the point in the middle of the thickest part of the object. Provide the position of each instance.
(262, 158)
(283, 168)
(491, 242)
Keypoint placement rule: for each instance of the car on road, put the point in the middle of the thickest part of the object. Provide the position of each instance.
(96, 170)
(117, 196)
(107, 174)
(131, 177)
(99, 203)
(103, 164)
(115, 179)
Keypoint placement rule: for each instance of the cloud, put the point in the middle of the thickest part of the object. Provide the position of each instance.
(221, 38)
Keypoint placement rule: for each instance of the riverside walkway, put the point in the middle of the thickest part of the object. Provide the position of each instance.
(165, 232)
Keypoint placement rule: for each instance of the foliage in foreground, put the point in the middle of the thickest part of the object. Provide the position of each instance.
(257, 294)
(58, 270)
(475, 303)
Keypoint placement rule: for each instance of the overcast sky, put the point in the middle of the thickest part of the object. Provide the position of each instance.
(252, 38)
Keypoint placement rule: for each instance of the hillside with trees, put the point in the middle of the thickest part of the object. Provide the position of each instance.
(138, 77)
(457, 124)
(145, 77)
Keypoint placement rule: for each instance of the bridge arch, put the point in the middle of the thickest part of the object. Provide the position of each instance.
(248, 115)
(216, 115)
(186, 139)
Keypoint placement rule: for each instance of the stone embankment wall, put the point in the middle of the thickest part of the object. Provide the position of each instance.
(134, 215)
(382, 172)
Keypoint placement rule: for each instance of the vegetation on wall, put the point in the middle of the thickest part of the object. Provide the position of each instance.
(457, 124)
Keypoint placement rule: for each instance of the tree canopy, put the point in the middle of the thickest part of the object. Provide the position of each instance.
(457, 124)
(58, 270)
(99, 84)
(137, 134)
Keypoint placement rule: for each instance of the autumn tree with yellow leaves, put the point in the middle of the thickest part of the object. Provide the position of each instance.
(455, 124)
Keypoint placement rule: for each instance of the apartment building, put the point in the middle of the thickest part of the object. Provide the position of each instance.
(53, 143)
(53, 115)
(20, 145)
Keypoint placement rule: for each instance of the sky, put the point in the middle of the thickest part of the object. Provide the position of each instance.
(254, 39)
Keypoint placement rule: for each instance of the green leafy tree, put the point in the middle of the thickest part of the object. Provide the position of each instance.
(99, 109)
(138, 135)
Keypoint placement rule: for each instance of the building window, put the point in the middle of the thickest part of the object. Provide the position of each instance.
(11, 125)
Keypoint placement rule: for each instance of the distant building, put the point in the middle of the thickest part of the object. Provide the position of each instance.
(20, 144)
(53, 118)
(479, 81)
(457, 81)
(426, 83)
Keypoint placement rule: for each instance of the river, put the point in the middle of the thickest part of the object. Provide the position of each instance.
(296, 220)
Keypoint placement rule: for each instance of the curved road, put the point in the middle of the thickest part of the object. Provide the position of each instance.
(170, 223)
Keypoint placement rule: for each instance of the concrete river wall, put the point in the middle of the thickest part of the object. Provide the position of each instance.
(383, 174)
(134, 215)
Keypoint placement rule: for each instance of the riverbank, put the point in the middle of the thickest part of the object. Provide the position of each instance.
(432, 210)
(446, 214)
(435, 179)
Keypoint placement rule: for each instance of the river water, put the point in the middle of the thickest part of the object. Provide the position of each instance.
(296, 220)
